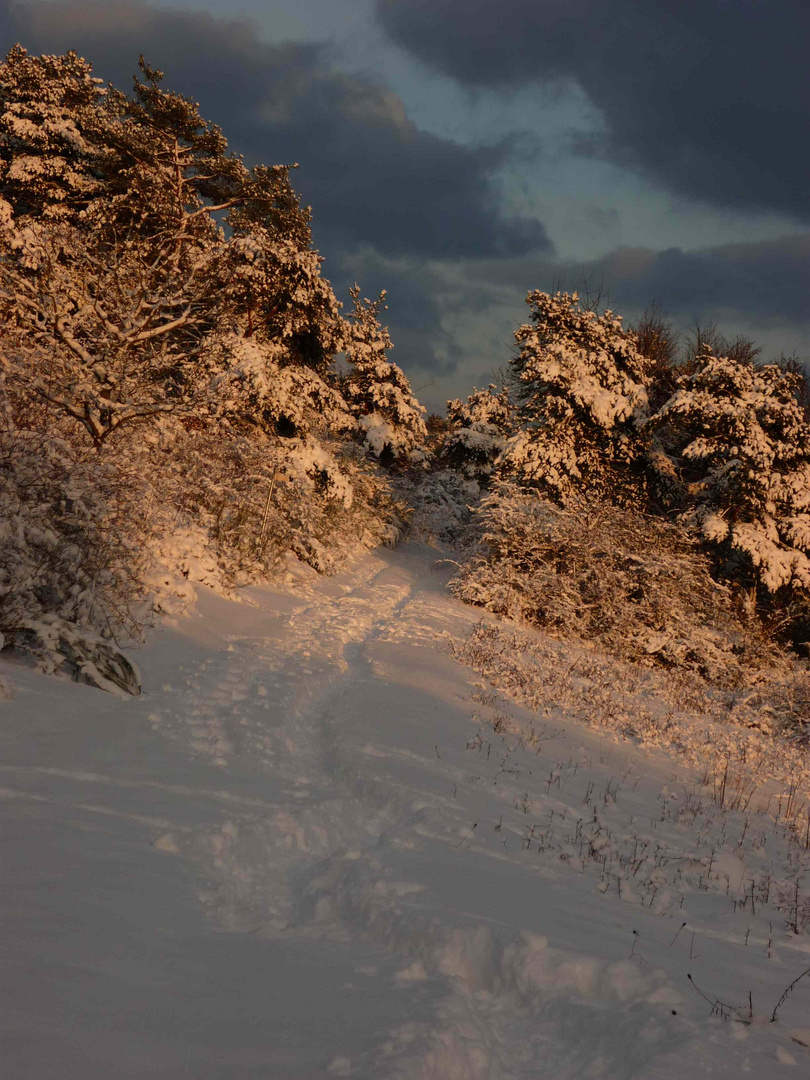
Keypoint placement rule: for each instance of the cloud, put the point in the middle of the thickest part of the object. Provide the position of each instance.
(761, 284)
(760, 287)
(372, 176)
(708, 98)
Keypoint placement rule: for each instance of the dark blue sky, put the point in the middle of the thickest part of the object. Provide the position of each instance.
(461, 152)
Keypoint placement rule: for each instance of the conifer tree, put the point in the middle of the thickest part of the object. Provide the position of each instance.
(116, 309)
(179, 291)
(581, 393)
(271, 273)
(390, 419)
(54, 135)
(734, 445)
(172, 169)
(272, 286)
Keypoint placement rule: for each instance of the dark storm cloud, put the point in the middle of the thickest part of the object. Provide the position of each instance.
(370, 174)
(762, 285)
(708, 97)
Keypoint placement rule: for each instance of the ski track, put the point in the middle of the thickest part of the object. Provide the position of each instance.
(326, 843)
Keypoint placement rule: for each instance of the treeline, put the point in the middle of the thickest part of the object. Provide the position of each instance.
(647, 493)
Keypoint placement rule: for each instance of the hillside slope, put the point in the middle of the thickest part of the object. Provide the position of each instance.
(318, 845)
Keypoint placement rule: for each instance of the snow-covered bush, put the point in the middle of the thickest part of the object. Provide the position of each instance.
(727, 452)
(72, 556)
(257, 501)
(390, 420)
(733, 453)
(442, 503)
(477, 431)
(582, 391)
(465, 445)
(635, 585)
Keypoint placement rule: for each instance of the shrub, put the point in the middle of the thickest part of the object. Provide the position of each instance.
(477, 430)
(632, 584)
(71, 557)
(658, 341)
(442, 503)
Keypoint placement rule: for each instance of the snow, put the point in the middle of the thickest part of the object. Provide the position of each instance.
(318, 845)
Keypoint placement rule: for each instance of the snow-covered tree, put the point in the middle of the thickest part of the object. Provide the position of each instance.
(273, 288)
(54, 134)
(300, 413)
(90, 330)
(105, 310)
(581, 393)
(116, 313)
(390, 420)
(733, 445)
(271, 275)
(477, 430)
(170, 170)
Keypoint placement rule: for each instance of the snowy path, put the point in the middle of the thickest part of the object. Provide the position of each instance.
(306, 853)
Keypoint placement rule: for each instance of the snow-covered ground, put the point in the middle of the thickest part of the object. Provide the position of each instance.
(320, 846)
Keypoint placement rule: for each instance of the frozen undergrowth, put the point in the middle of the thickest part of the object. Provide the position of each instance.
(715, 832)
(740, 738)
(628, 584)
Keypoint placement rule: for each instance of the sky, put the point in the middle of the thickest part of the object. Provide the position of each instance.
(459, 153)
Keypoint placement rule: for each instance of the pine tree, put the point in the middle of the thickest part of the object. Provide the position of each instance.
(159, 283)
(390, 419)
(272, 287)
(54, 135)
(171, 170)
(271, 273)
(106, 308)
(734, 443)
(581, 393)
(112, 308)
